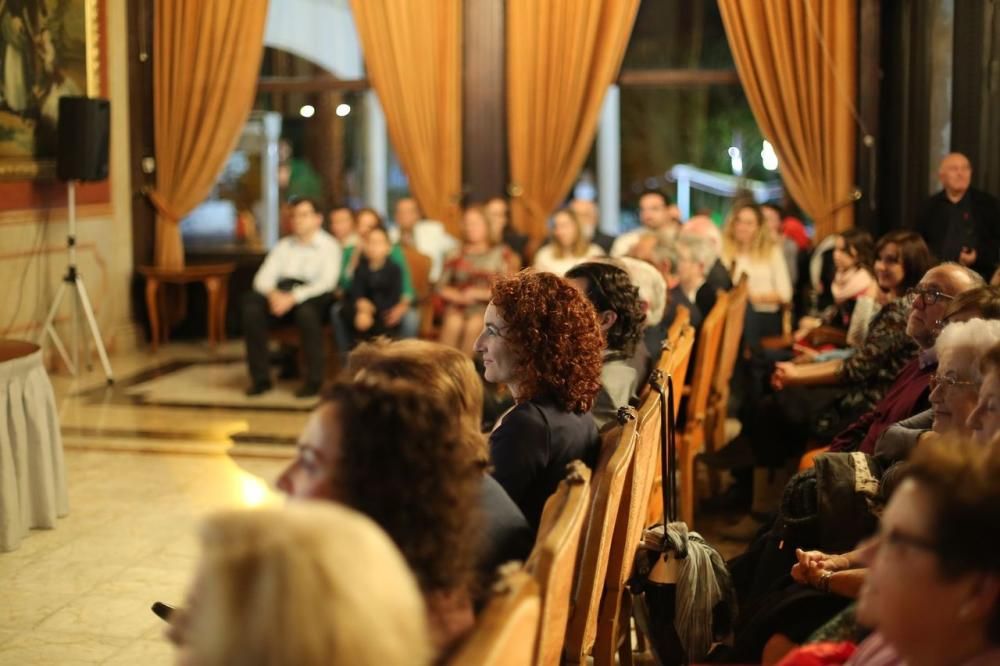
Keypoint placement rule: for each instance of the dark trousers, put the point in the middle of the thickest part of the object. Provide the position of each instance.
(308, 316)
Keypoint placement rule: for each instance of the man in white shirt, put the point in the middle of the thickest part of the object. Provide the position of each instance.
(656, 213)
(294, 284)
(428, 237)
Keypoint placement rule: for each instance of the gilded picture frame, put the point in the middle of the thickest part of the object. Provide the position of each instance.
(48, 48)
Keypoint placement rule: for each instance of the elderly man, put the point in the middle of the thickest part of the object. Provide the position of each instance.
(586, 211)
(961, 223)
(716, 275)
(655, 214)
(428, 237)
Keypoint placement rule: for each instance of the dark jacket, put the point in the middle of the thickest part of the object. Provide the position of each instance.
(718, 277)
(982, 211)
(603, 241)
(506, 533)
(531, 448)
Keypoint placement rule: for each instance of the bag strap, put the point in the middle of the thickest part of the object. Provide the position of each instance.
(668, 443)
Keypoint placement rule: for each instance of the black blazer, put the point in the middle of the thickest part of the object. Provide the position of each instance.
(719, 278)
(984, 235)
(506, 533)
(603, 241)
(531, 448)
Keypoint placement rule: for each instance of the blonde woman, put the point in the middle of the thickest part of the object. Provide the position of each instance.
(569, 245)
(465, 282)
(748, 248)
(310, 584)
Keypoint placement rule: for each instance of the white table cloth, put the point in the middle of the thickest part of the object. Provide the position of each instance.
(32, 472)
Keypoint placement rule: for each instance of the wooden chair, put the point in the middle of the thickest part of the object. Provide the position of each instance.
(615, 610)
(692, 439)
(729, 353)
(506, 630)
(420, 275)
(610, 475)
(682, 317)
(553, 559)
(673, 363)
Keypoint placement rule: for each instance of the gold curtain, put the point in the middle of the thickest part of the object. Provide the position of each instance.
(413, 54)
(206, 60)
(561, 57)
(796, 61)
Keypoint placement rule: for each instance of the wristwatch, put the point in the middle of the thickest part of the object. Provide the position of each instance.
(823, 584)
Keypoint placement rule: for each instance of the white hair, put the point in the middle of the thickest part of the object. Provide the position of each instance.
(652, 287)
(976, 336)
(700, 249)
(702, 226)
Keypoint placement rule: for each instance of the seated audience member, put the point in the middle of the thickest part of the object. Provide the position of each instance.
(465, 283)
(428, 237)
(342, 227)
(568, 247)
(900, 255)
(773, 216)
(653, 298)
(398, 454)
(621, 317)
(909, 391)
(747, 246)
(716, 275)
(497, 211)
(984, 421)
(954, 387)
(309, 584)
(294, 284)
(401, 315)
(933, 586)
(375, 290)
(655, 214)
(541, 338)
(588, 214)
(450, 374)
(961, 223)
(695, 255)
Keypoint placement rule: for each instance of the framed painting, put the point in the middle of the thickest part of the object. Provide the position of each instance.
(48, 48)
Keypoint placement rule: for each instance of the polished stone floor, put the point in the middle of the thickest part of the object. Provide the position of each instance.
(140, 479)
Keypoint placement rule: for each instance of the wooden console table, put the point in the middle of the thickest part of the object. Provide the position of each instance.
(215, 277)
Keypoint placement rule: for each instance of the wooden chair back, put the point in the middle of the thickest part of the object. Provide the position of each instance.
(729, 353)
(553, 559)
(610, 475)
(420, 275)
(612, 617)
(506, 630)
(682, 318)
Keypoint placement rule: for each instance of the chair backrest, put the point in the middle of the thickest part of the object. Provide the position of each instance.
(553, 559)
(506, 630)
(629, 526)
(682, 317)
(610, 475)
(729, 351)
(420, 270)
(709, 338)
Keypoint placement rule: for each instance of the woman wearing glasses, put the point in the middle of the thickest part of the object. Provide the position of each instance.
(541, 338)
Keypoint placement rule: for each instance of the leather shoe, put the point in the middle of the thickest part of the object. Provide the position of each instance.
(259, 387)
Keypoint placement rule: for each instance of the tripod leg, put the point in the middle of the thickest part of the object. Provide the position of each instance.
(49, 329)
(95, 332)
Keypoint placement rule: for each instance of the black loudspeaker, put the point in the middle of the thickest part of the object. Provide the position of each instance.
(82, 149)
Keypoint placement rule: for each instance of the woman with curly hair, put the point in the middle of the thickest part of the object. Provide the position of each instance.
(542, 339)
(399, 454)
(622, 318)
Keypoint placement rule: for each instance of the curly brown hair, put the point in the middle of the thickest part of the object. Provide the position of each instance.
(405, 464)
(554, 334)
(610, 288)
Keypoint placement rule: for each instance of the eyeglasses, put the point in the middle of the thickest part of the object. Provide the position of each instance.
(950, 382)
(929, 296)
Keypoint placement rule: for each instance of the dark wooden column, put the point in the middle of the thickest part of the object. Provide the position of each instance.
(975, 102)
(484, 106)
(869, 82)
(140, 86)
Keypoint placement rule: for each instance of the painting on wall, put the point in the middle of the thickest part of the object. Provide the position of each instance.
(48, 48)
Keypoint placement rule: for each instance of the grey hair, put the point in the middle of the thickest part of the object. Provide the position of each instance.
(976, 335)
(700, 249)
(975, 279)
(665, 251)
(652, 287)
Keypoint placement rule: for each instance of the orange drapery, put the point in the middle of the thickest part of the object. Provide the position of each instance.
(561, 57)
(206, 60)
(796, 61)
(413, 53)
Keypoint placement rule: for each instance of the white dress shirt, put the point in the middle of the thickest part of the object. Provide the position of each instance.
(316, 263)
(765, 275)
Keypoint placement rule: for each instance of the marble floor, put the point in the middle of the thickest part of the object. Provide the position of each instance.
(140, 479)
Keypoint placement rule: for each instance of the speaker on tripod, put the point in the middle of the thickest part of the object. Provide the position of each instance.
(82, 155)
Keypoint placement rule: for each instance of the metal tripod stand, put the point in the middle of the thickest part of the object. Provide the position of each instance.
(73, 280)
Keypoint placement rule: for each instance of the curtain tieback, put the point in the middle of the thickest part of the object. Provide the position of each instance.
(855, 195)
(161, 205)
